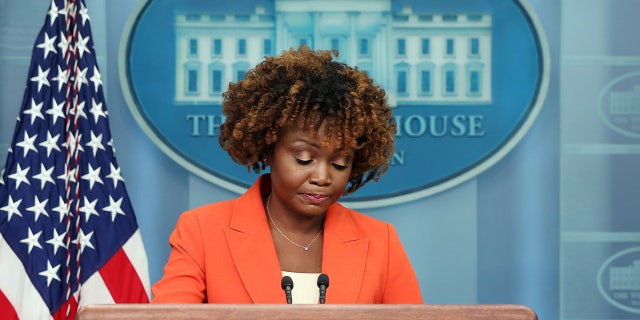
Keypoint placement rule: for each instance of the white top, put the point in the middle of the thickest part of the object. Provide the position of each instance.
(305, 287)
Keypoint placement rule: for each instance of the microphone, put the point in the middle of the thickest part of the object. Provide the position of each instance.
(287, 285)
(323, 284)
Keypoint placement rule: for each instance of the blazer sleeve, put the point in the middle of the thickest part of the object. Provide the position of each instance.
(183, 280)
(402, 286)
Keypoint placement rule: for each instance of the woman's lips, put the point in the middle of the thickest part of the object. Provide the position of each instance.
(316, 198)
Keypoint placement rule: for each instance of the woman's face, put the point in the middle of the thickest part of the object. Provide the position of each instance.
(307, 176)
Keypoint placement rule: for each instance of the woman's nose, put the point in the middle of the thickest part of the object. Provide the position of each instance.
(321, 174)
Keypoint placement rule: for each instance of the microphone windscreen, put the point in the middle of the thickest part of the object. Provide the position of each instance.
(286, 282)
(323, 279)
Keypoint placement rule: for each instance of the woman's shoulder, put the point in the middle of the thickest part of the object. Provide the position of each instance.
(361, 221)
(218, 205)
(215, 211)
(244, 207)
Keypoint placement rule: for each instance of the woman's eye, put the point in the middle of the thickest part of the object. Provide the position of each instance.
(339, 166)
(304, 162)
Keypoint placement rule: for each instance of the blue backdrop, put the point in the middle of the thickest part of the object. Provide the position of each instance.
(553, 225)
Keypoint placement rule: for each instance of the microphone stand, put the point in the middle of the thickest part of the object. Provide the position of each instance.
(323, 284)
(287, 286)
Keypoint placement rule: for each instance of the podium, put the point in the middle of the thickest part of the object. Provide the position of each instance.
(306, 312)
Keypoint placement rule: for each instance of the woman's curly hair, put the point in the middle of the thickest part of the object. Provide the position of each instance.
(307, 88)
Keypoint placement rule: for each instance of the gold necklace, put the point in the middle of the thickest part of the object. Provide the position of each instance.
(306, 248)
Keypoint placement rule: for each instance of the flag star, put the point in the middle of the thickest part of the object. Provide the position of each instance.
(32, 240)
(89, 209)
(38, 208)
(27, 144)
(70, 142)
(35, 111)
(79, 110)
(81, 45)
(84, 13)
(51, 273)
(47, 45)
(96, 78)
(93, 176)
(44, 176)
(84, 240)
(95, 143)
(68, 8)
(12, 208)
(63, 44)
(73, 142)
(51, 143)
(61, 78)
(114, 207)
(56, 110)
(61, 209)
(68, 176)
(41, 78)
(20, 176)
(96, 110)
(81, 78)
(57, 241)
(115, 175)
(53, 12)
(110, 144)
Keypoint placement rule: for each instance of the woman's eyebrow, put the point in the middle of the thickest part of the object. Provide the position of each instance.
(305, 141)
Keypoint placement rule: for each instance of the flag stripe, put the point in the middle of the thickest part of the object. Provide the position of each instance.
(7, 311)
(119, 269)
(139, 261)
(95, 291)
(67, 310)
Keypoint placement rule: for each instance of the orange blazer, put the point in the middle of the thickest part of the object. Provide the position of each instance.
(223, 253)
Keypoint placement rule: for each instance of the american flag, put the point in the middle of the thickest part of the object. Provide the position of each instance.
(68, 234)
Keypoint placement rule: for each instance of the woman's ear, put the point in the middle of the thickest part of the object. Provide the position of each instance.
(266, 159)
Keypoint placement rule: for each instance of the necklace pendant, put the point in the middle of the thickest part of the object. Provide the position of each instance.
(306, 248)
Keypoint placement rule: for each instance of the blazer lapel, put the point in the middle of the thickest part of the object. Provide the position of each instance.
(252, 249)
(344, 256)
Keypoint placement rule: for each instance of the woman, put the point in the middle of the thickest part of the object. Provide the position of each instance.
(324, 129)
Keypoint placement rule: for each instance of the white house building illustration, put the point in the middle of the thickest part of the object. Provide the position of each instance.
(625, 278)
(419, 58)
(625, 103)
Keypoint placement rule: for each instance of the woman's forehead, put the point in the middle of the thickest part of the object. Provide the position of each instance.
(312, 135)
(308, 132)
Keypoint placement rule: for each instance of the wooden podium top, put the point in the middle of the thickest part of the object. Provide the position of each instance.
(306, 312)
